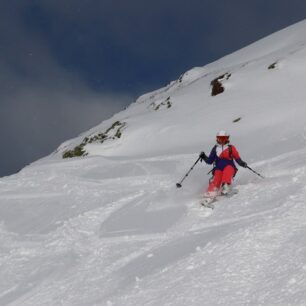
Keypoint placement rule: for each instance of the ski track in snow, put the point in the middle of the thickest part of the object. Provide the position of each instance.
(122, 246)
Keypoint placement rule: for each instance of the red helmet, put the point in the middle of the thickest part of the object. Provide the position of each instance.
(222, 137)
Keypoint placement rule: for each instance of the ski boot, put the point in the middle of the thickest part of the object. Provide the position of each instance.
(226, 189)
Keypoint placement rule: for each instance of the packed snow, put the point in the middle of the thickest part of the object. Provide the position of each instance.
(111, 228)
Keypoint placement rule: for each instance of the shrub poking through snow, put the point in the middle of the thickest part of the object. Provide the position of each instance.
(113, 132)
(216, 84)
(236, 120)
(77, 151)
(165, 104)
(273, 66)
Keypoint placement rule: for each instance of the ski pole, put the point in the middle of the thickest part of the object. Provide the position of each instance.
(179, 185)
(255, 172)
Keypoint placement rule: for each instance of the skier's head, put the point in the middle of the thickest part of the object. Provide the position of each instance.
(222, 137)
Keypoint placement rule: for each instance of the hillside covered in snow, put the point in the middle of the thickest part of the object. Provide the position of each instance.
(101, 222)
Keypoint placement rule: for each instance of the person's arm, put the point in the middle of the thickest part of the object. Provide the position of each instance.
(238, 159)
(209, 159)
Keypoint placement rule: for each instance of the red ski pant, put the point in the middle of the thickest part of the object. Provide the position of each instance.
(221, 177)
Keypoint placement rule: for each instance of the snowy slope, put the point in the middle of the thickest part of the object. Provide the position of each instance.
(110, 228)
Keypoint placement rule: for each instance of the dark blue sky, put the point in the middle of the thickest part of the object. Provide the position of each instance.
(66, 65)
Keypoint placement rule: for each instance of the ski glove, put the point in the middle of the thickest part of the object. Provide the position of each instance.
(203, 157)
(243, 164)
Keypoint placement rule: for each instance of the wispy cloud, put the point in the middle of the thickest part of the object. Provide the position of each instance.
(42, 103)
(36, 120)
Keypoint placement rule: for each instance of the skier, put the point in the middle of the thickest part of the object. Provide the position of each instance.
(222, 155)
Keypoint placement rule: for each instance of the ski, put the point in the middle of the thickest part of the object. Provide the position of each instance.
(209, 202)
(208, 205)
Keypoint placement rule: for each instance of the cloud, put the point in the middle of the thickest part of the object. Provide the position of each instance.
(42, 104)
(37, 120)
(168, 37)
(238, 23)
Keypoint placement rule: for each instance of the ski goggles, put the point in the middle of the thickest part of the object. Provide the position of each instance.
(222, 139)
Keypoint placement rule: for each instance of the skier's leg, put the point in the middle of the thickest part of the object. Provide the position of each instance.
(214, 184)
(228, 174)
(227, 178)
